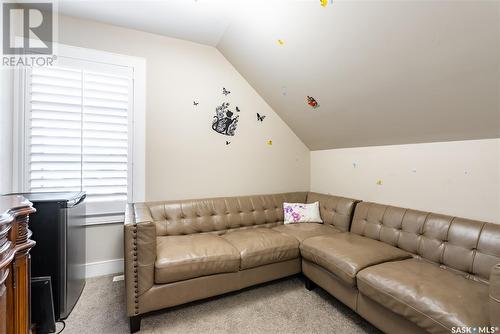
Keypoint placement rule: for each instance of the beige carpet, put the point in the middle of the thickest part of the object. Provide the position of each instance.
(283, 306)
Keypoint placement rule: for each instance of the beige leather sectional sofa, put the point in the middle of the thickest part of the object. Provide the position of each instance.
(405, 271)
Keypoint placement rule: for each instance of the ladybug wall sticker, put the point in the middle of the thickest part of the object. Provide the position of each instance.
(312, 102)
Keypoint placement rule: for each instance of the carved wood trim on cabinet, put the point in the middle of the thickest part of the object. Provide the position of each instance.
(15, 244)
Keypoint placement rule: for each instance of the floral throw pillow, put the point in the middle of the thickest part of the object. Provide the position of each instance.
(301, 213)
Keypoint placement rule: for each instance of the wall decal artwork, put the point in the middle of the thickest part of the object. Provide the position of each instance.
(228, 142)
(195, 103)
(270, 142)
(224, 121)
(225, 91)
(260, 118)
(312, 102)
(281, 42)
(237, 109)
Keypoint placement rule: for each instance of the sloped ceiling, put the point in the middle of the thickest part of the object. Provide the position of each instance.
(200, 21)
(383, 72)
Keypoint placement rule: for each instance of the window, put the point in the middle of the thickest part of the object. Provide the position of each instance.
(79, 131)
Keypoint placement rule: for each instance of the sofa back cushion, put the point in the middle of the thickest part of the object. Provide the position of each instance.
(468, 246)
(334, 210)
(220, 214)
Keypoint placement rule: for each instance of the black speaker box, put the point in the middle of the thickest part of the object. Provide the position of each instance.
(42, 305)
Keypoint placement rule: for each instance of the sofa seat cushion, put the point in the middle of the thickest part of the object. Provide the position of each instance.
(344, 254)
(302, 231)
(188, 256)
(260, 246)
(434, 298)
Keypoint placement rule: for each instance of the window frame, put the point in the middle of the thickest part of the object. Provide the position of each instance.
(136, 128)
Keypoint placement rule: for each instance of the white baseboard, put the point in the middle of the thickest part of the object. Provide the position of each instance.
(102, 268)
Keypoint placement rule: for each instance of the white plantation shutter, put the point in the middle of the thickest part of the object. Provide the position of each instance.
(54, 130)
(78, 132)
(105, 136)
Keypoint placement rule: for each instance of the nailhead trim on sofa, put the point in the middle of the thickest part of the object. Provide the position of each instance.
(136, 278)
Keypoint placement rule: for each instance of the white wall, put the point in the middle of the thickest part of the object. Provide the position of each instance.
(185, 158)
(459, 178)
(6, 113)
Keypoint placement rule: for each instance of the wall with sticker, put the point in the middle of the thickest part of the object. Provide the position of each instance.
(459, 178)
(185, 157)
(186, 81)
(380, 76)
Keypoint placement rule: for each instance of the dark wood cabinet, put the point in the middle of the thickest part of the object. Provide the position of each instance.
(15, 245)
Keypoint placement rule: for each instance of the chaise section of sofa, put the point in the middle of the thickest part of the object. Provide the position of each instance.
(425, 272)
(433, 298)
(494, 295)
(181, 251)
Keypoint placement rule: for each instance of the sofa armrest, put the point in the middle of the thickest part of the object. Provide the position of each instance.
(495, 296)
(140, 254)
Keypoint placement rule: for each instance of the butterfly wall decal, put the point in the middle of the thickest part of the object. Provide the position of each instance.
(311, 101)
(195, 103)
(260, 118)
(238, 109)
(225, 91)
(228, 142)
(325, 2)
